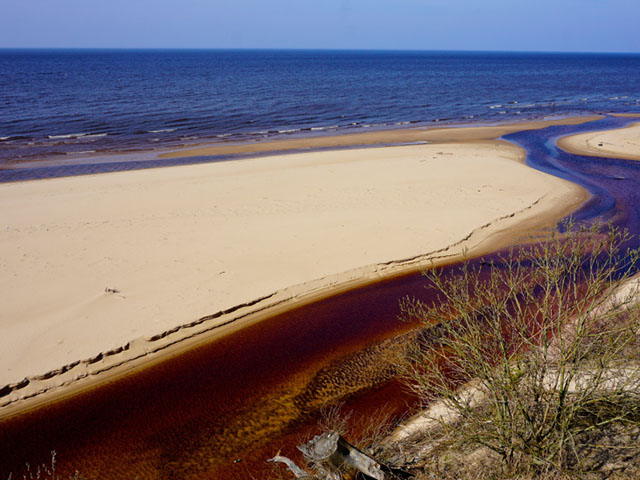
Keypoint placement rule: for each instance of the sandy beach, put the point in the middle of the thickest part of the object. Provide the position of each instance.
(99, 270)
(617, 143)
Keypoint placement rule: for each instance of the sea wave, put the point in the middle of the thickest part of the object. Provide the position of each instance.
(15, 137)
(313, 129)
(146, 106)
(76, 135)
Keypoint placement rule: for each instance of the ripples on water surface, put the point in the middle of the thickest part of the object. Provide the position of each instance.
(81, 103)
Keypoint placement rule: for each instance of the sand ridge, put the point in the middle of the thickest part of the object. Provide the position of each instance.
(132, 264)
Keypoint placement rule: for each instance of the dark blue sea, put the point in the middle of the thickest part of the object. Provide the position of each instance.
(57, 104)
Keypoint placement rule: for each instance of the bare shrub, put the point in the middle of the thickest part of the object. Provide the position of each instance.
(546, 337)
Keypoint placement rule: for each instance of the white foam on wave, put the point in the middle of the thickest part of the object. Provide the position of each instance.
(67, 135)
(495, 106)
(326, 128)
(95, 135)
(76, 135)
(163, 130)
(80, 153)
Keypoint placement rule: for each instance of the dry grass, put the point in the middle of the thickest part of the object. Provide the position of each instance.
(44, 471)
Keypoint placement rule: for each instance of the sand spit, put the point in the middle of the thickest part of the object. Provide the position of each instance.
(618, 143)
(133, 264)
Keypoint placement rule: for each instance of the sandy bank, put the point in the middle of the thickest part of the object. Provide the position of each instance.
(114, 263)
(617, 143)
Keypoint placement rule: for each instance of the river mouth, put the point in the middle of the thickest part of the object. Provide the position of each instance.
(253, 392)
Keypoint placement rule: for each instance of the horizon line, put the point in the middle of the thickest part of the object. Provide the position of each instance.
(282, 49)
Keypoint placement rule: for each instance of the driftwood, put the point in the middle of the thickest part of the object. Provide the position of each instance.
(333, 458)
(296, 470)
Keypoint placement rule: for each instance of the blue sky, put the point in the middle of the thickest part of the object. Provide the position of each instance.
(521, 25)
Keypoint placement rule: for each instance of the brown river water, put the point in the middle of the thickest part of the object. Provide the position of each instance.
(221, 409)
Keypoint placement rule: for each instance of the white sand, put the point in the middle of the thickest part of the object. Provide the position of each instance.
(183, 242)
(617, 143)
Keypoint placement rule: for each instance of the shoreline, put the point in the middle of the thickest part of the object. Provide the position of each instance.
(302, 142)
(81, 375)
(147, 150)
(383, 137)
